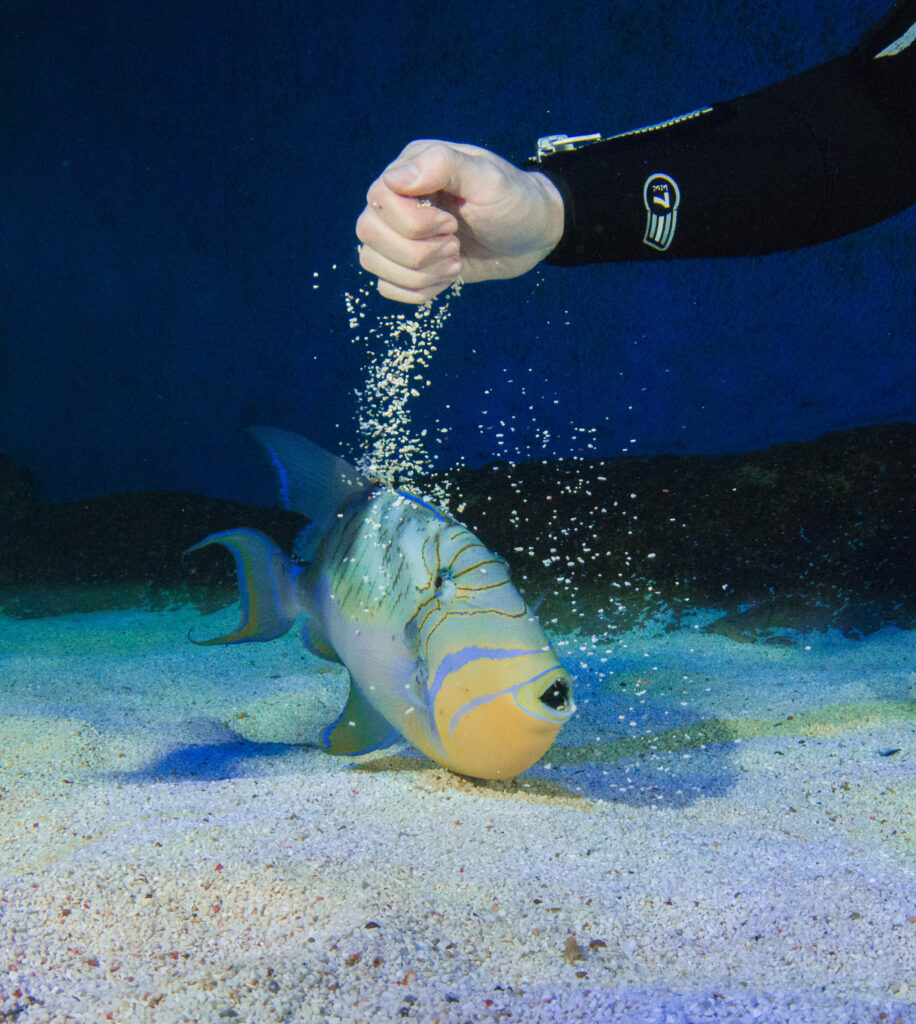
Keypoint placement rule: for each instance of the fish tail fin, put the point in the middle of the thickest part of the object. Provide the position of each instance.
(268, 586)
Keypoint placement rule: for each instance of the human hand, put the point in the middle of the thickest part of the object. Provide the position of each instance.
(445, 210)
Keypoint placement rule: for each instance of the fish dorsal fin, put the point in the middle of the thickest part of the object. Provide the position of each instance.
(359, 729)
(311, 481)
(306, 544)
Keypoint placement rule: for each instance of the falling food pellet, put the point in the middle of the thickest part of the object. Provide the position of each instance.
(399, 352)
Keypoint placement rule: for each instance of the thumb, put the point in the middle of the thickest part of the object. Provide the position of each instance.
(401, 178)
(438, 167)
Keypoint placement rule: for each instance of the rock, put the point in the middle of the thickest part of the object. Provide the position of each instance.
(18, 493)
(125, 550)
(802, 536)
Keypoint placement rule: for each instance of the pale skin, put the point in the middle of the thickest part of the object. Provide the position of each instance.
(443, 211)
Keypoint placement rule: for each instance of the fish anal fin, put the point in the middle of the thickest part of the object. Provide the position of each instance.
(359, 729)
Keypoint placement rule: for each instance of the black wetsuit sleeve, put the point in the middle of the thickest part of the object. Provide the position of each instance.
(812, 158)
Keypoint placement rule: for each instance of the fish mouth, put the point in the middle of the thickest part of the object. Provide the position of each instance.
(556, 696)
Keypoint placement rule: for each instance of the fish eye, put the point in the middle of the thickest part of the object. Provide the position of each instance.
(556, 696)
(444, 586)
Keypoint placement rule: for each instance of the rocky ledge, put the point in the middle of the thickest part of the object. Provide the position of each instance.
(795, 537)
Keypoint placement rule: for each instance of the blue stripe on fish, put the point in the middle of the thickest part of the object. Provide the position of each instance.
(457, 660)
(460, 658)
(422, 504)
(486, 698)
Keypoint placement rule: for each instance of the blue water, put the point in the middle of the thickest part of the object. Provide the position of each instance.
(180, 182)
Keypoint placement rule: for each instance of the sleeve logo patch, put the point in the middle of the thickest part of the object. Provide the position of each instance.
(661, 197)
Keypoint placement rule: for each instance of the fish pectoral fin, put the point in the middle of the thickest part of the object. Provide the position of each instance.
(359, 729)
(267, 586)
(317, 643)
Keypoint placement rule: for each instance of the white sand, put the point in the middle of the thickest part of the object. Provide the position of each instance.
(168, 852)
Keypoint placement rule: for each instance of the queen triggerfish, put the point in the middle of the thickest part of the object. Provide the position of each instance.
(440, 646)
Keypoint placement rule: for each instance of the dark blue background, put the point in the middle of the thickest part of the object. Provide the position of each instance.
(173, 174)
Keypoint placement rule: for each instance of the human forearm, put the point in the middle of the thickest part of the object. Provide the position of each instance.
(820, 155)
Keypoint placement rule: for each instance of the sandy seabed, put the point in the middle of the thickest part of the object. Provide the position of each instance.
(724, 832)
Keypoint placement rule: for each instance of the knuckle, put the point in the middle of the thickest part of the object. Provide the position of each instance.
(389, 291)
(431, 293)
(376, 193)
(440, 155)
(362, 223)
(418, 227)
(415, 258)
(366, 258)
